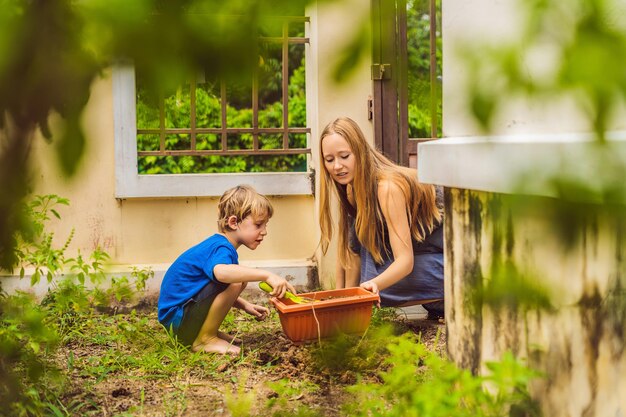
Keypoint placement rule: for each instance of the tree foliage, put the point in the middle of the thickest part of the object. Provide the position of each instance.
(419, 83)
(208, 112)
(52, 50)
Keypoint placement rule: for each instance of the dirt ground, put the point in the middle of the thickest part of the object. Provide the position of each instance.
(268, 357)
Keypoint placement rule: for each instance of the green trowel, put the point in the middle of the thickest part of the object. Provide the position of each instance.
(288, 295)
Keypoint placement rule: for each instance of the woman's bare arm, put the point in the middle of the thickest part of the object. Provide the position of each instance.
(393, 205)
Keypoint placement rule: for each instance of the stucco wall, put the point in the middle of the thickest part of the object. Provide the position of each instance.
(481, 24)
(153, 231)
(577, 255)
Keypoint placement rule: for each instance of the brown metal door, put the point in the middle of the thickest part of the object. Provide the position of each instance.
(385, 72)
(390, 76)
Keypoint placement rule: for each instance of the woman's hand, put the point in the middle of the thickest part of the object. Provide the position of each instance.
(372, 287)
(257, 311)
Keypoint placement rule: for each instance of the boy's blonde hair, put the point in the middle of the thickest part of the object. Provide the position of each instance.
(242, 201)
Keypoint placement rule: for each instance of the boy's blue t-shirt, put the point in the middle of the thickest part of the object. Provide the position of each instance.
(189, 273)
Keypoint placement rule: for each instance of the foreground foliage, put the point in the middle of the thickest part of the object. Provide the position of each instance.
(88, 341)
(387, 372)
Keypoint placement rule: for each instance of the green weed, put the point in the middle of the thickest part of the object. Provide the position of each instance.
(284, 402)
(26, 344)
(418, 382)
(351, 352)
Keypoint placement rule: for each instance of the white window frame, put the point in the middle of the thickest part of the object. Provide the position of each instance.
(129, 184)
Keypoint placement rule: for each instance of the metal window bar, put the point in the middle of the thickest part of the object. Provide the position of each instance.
(224, 131)
(285, 55)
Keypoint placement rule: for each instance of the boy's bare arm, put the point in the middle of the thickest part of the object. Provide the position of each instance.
(230, 274)
(259, 312)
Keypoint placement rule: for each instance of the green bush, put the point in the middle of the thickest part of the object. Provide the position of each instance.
(30, 332)
(418, 382)
(208, 110)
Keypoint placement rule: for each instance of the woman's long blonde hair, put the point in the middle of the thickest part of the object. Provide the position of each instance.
(370, 168)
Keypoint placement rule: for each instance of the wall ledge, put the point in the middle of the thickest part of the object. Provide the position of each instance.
(302, 273)
(523, 164)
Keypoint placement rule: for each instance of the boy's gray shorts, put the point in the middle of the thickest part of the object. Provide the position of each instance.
(196, 310)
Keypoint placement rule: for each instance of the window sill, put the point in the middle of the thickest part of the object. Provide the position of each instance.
(211, 185)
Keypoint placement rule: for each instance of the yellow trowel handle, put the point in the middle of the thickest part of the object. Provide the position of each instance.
(289, 295)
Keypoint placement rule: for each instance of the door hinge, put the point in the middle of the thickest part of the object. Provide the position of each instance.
(381, 71)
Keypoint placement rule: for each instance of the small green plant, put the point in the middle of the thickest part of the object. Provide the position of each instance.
(25, 345)
(121, 289)
(141, 275)
(92, 269)
(66, 307)
(241, 401)
(284, 401)
(385, 315)
(34, 245)
(418, 382)
(351, 352)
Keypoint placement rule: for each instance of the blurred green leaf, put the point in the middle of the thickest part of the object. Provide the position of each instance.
(353, 53)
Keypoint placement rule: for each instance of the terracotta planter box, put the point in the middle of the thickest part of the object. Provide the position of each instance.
(346, 310)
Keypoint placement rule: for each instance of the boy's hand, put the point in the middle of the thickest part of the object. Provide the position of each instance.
(280, 286)
(259, 312)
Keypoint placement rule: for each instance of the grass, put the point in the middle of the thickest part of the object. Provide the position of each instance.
(129, 365)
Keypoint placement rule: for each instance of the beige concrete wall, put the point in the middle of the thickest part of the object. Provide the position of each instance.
(146, 231)
(577, 254)
(481, 24)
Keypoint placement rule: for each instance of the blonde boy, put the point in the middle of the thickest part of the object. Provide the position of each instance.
(202, 285)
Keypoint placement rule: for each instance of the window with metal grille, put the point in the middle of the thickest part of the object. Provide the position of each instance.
(213, 134)
(252, 124)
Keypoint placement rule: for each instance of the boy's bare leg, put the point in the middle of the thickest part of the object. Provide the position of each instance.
(226, 336)
(207, 339)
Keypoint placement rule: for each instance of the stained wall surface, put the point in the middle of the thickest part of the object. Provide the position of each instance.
(562, 264)
(566, 310)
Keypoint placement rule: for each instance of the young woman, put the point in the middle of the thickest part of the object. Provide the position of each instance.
(390, 226)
